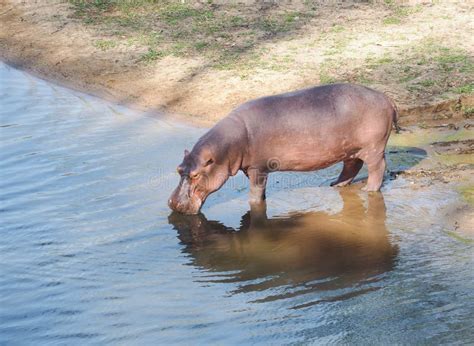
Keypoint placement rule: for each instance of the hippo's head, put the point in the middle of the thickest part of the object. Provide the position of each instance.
(201, 174)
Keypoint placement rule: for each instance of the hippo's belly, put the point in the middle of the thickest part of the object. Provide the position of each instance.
(306, 154)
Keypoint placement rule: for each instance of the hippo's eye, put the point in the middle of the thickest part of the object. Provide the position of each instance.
(209, 162)
(193, 175)
(179, 169)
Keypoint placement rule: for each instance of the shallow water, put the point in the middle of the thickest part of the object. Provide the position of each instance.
(91, 253)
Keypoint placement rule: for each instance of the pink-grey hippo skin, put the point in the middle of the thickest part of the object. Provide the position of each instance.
(303, 130)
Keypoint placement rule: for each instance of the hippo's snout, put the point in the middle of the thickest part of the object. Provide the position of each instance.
(189, 207)
(184, 200)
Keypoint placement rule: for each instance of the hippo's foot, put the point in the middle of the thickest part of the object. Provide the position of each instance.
(338, 183)
(366, 188)
(376, 169)
(349, 172)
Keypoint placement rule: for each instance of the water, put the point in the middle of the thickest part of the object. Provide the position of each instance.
(91, 253)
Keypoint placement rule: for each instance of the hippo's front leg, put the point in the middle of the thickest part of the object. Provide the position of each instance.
(258, 182)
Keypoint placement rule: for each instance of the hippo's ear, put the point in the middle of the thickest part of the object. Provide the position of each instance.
(186, 152)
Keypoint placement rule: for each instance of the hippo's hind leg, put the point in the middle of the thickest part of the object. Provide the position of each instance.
(349, 172)
(376, 167)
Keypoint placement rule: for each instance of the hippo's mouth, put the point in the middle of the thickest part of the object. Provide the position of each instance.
(190, 207)
(187, 198)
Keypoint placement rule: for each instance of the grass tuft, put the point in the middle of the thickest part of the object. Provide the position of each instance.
(465, 89)
(104, 44)
(391, 21)
(151, 55)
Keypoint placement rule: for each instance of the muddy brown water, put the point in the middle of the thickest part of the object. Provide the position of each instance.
(90, 252)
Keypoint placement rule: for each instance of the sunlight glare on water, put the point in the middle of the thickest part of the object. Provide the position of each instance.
(91, 253)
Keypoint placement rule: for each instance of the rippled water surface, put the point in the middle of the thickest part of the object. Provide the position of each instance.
(90, 252)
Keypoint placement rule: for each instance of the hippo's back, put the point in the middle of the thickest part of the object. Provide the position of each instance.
(337, 118)
(326, 101)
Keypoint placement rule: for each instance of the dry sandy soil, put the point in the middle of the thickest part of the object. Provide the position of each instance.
(200, 59)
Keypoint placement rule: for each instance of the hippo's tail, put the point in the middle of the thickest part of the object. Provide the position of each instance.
(395, 115)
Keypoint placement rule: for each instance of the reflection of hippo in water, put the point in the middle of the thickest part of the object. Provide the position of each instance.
(300, 131)
(351, 245)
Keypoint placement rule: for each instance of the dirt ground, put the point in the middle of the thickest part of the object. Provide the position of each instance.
(201, 59)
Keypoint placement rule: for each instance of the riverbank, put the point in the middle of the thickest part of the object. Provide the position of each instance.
(201, 60)
(447, 158)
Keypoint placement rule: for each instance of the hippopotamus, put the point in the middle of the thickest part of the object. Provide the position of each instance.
(304, 130)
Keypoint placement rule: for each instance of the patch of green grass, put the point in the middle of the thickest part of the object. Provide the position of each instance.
(325, 78)
(104, 44)
(406, 78)
(422, 61)
(179, 49)
(237, 21)
(391, 21)
(414, 88)
(227, 60)
(90, 11)
(405, 11)
(362, 79)
(402, 11)
(151, 55)
(337, 28)
(385, 60)
(270, 25)
(291, 17)
(372, 62)
(281, 23)
(444, 65)
(131, 5)
(153, 38)
(465, 89)
(468, 112)
(200, 45)
(398, 12)
(326, 74)
(427, 83)
(338, 46)
(407, 74)
(450, 60)
(82, 7)
(173, 13)
(145, 39)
